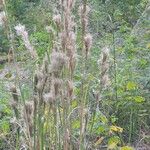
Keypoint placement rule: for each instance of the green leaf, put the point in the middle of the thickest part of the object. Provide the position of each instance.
(116, 129)
(126, 148)
(8, 75)
(99, 141)
(101, 129)
(74, 103)
(4, 125)
(139, 99)
(76, 124)
(103, 119)
(113, 119)
(113, 141)
(131, 86)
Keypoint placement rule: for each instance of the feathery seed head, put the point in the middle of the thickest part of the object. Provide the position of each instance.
(105, 57)
(38, 81)
(13, 90)
(2, 18)
(84, 10)
(63, 39)
(40, 75)
(39, 86)
(106, 51)
(104, 68)
(49, 97)
(105, 81)
(70, 44)
(44, 67)
(72, 37)
(104, 62)
(88, 41)
(49, 29)
(28, 116)
(58, 61)
(20, 30)
(72, 64)
(13, 104)
(71, 3)
(57, 85)
(70, 88)
(57, 19)
(29, 108)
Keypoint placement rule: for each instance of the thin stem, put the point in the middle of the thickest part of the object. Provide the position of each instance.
(115, 58)
(131, 126)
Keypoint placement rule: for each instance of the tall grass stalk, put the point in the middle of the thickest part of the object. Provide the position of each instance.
(86, 46)
(53, 88)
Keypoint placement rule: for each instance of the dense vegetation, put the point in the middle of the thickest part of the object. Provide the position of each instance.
(74, 74)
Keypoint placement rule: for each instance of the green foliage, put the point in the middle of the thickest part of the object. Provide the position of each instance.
(40, 41)
(5, 116)
(17, 9)
(4, 43)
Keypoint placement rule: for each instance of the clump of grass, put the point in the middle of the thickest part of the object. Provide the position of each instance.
(20, 30)
(48, 115)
